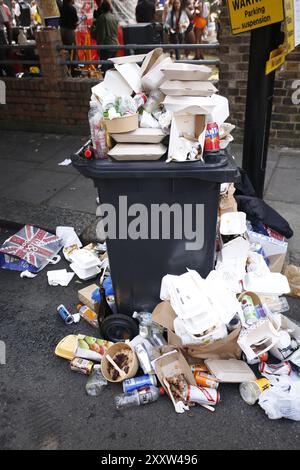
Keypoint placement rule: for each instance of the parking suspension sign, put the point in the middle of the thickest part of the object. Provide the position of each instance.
(251, 14)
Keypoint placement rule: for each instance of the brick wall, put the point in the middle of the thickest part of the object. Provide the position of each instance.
(54, 103)
(234, 54)
(34, 105)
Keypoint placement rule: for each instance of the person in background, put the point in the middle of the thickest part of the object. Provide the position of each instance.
(35, 16)
(68, 22)
(5, 39)
(8, 12)
(98, 11)
(23, 14)
(177, 23)
(167, 7)
(200, 23)
(107, 31)
(189, 36)
(145, 11)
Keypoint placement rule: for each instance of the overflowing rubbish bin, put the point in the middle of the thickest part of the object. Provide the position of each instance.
(138, 265)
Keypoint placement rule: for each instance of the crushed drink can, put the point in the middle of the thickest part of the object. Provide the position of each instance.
(284, 368)
(206, 380)
(143, 381)
(65, 315)
(212, 138)
(202, 395)
(199, 367)
(83, 366)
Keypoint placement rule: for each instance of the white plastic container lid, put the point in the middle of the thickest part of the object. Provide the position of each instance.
(85, 274)
(85, 259)
(233, 223)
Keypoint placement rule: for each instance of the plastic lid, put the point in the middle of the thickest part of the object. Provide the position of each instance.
(78, 306)
(88, 153)
(162, 391)
(97, 367)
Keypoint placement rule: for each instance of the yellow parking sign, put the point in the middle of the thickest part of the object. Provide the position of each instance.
(251, 14)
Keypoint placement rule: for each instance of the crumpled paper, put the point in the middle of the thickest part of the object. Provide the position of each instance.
(293, 275)
(59, 278)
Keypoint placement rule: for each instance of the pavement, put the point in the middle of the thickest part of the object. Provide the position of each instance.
(43, 404)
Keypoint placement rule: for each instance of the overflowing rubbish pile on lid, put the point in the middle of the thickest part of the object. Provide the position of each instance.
(159, 110)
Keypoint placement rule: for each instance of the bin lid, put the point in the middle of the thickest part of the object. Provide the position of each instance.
(105, 169)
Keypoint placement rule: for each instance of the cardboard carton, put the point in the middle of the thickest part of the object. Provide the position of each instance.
(188, 72)
(171, 362)
(132, 75)
(230, 371)
(151, 59)
(215, 107)
(85, 297)
(122, 124)
(187, 88)
(154, 78)
(113, 83)
(226, 348)
(189, 124)
(128, 59)
(140, 136)
(137, 152)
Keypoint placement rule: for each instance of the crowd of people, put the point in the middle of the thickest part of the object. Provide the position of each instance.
(184, 21)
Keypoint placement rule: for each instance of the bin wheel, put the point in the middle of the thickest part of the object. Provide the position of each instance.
(119, 328)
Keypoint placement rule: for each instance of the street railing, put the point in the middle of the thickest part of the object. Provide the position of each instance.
(20, 49)
(131, 48)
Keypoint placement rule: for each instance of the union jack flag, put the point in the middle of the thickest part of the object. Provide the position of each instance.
(33, 245)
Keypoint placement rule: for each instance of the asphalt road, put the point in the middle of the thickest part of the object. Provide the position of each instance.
(43, 404)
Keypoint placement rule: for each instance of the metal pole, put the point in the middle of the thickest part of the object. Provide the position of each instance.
(259, 104)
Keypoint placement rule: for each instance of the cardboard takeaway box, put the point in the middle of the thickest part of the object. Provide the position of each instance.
(215, 107)
(188, 88)
(140, 136)
(189, 72)
(171, 362)
(137, 152)
(186, 124)
(226, 348)
(122, 124)
(85, 297)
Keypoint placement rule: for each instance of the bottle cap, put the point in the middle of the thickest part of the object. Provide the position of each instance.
(162, 391)
(97, 367)
(88, 153)
(78, 306)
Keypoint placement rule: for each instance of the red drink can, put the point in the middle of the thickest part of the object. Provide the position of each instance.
(212, 137)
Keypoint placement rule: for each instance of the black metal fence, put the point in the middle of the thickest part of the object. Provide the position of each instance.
(133, 48)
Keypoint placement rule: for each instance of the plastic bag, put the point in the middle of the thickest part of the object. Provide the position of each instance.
(283, 399)
(148, 121)
(126, 105)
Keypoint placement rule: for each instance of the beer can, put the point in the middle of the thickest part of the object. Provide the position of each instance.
(262, 358)
(201, 367)
(206, 380)
(202, 395)
(284, 368)
(83, 366)
(251, 391)
(129, 385)
(212, 138)
(65, 315)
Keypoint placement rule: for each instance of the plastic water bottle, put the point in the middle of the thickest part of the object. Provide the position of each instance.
(95, 119)
(95, 382)
(138, 397)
